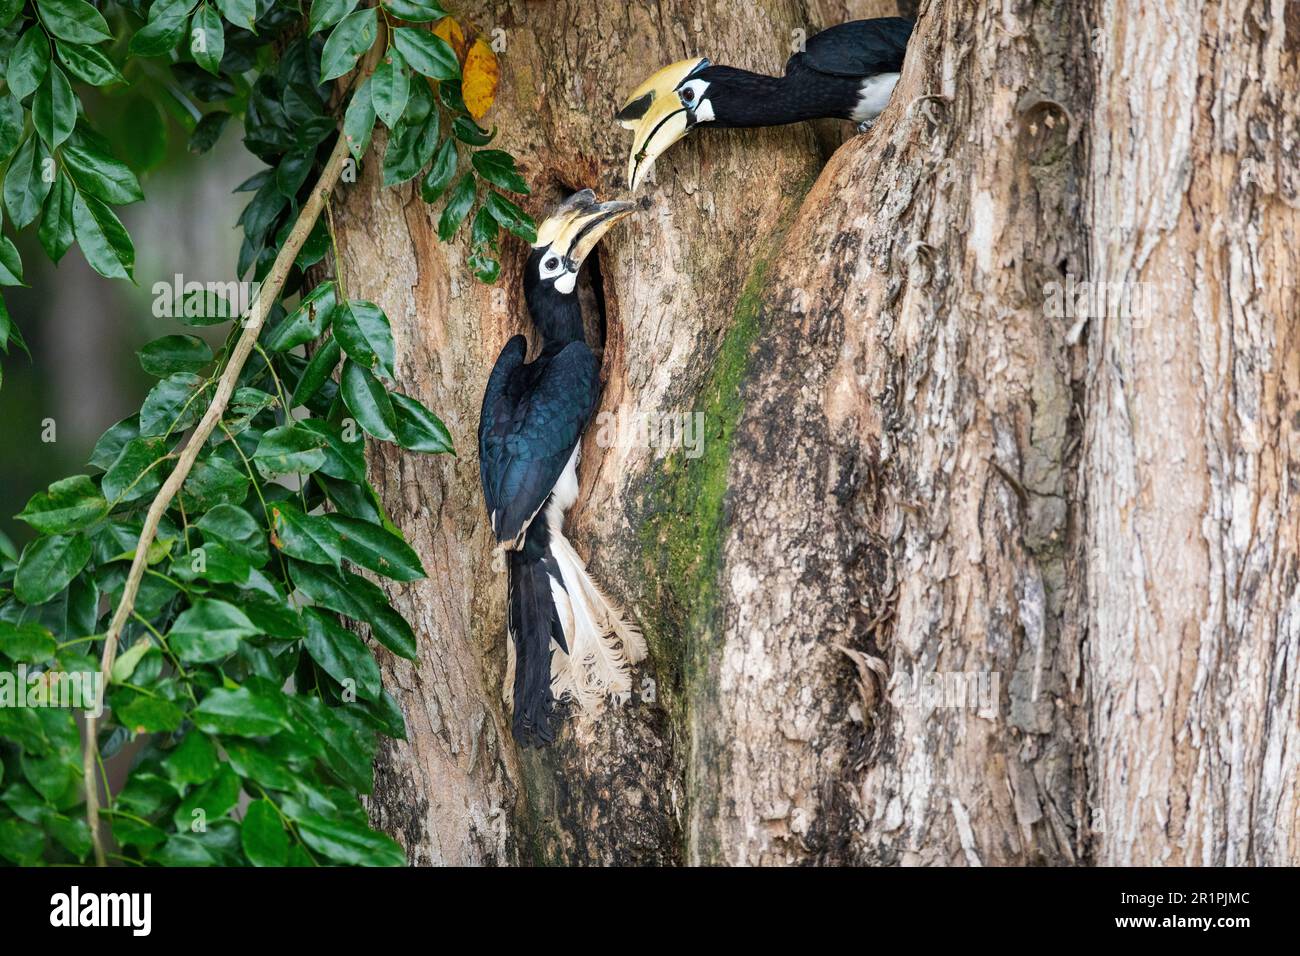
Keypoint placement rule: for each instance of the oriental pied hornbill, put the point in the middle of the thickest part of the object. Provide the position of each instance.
(566, 636)
(846, 72)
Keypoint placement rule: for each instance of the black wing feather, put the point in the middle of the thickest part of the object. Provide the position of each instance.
(858, 48)
(533, 416)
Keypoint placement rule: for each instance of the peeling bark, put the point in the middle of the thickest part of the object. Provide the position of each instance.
(955, 580)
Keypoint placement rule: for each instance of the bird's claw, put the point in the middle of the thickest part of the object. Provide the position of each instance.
(866, 125)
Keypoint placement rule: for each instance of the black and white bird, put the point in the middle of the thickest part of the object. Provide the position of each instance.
(567, 639)
(846, 72)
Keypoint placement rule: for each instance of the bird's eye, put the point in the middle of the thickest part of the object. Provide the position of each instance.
(552, 262)
(688, 95)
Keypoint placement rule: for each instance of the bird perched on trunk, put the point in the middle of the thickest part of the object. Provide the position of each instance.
(566, 637)
(846, 72)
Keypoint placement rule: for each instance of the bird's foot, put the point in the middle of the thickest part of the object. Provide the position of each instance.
(865, 125)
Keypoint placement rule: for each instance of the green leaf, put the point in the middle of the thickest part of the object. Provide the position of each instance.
(52, 777)
(209, 631)
(211, 562)
(73, 833)
(470, 133)
(56, 230)
(11, 125)
(271, 616)
(213, 481)
(105, 243)
(158, 37)
(48, 565)
(175, 353)
(242, 713)
(353, 36)
(483, 232)
(25, 182)
(150, 715)
(28, 642)
(498, 167)
(389, 88)
(376, 548)
(129, 832)
(458, 205)
(359, 121)
(69, 504)
(125, 663)
(265, 766)
(303, 536)
(415, 11)
(288, 449)
(363, 330)
(88, 64)
(307, 322)
(412, 143)
(511, 217)
(352, 595)
(427, 54)
(20, 842)
(54, 108)
(183, 849)
(11, 264)
(137, 471)
(28, 62)
(112, 442)
(193, 761)
(241, 13)
(349, 842)
(292, 171)
(207, 39)
(342, 654)
(368, 401)
(345, 456)
(100, 174)
(74, 20)
(316, 373)
(238, 531)
(173, 405)
(215, 798)
(326, 13)
(208, 131)
(346, 747)
(9, 9)
(262, 834)
(440, 174)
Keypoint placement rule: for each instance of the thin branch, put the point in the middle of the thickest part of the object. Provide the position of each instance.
(267, 294)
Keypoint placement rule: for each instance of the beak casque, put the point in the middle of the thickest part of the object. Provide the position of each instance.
(578, 223)
(657, 116)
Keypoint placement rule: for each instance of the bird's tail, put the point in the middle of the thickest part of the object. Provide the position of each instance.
(602, 644)
(533, 623)
(567, 639)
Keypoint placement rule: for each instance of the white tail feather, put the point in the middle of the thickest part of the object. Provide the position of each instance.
(602, 643)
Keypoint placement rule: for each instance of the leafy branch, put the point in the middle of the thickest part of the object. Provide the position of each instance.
(225, 524)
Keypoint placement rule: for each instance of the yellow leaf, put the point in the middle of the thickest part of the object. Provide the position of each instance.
(481, 75)
(450, 30)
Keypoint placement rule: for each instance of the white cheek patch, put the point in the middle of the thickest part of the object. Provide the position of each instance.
(704, 112)
(566, 281)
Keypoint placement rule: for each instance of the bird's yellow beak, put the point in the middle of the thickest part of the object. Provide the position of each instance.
(658, 117)
(578, 223)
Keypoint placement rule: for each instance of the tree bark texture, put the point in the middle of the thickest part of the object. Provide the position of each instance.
(956, 579)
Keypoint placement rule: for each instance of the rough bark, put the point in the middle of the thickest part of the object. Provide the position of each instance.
(913, 476)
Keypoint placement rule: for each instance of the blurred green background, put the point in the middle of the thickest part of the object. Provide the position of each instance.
(84, 330)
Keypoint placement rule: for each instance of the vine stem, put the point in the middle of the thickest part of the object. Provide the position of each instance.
(268, 292)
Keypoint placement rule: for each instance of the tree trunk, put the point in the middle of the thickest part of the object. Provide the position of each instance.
(957, 578)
